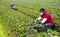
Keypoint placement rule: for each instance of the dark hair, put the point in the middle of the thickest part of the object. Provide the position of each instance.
(42, 9)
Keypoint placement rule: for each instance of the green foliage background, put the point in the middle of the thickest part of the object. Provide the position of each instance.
(16, 23)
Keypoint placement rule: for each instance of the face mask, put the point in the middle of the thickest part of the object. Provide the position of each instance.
(41, 13)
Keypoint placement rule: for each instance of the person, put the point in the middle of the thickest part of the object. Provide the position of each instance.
(47, 20)
(12, 6)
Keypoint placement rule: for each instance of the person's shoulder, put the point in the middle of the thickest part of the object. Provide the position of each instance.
(47, 13)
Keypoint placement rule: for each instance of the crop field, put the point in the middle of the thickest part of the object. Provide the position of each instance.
(16, 23)
(35, 0)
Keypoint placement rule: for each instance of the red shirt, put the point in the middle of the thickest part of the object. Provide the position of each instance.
(49, 18)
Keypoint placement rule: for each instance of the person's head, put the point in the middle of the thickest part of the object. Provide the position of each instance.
(42, 11)
(11, 3)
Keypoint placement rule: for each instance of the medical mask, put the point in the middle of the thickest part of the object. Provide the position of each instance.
(41, 13)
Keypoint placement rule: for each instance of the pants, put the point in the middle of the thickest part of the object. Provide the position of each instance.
(13, 8)
(48, 25)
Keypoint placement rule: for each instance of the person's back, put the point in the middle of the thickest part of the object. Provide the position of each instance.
(11, 5)
(49, 18)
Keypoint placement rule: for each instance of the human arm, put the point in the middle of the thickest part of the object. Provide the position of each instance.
(37, 19)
